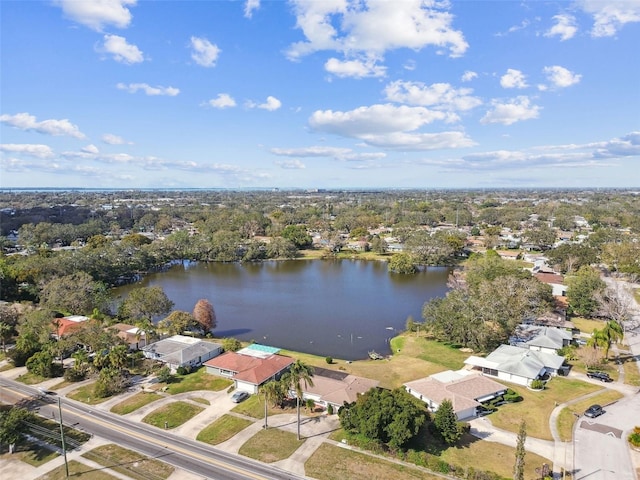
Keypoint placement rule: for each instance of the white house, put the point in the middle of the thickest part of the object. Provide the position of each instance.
(542, 339)
(517, 364)
(465, 389)
(182, 351)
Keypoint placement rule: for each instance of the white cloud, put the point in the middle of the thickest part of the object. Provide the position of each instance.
(468, 76)
(337, 153)
(560, 77)
(25, 121)
(271, 104)
(114, 139)
(91, 148)
(97, 14)
(610, 16)
(565, 27)
(204, 52)
(513, 79)
(32, 150)
(516, 110)
(293, 164)
(441, 96)
(250, 6)
(122, 51)
(374, 27)
(223, 100)
(387, 126)
(354, 68)
(595, 154)
(149, 90)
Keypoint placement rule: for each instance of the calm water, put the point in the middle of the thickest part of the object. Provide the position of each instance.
(341, 308)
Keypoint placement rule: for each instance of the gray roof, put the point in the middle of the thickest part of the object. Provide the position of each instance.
(518, 361)
(179, 349)
(540, 336)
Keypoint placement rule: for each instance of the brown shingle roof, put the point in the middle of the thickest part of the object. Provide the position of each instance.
(463, 393)
(250, 369)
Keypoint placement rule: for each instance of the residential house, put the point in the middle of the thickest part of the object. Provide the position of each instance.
(333, 387)
(555, 280)
(542, 339)
(466, 390)
(250, 367)
(182, 351)
(61, 327)
(517, 364)
(132, 336)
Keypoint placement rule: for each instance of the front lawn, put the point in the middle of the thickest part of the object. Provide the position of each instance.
(77, 470)
(129, 463)
(172, 415)
(222, 429)
(31, 378)
(254, 407)
(271, 445)
(567, 417)
(197, 380)
(536, 407)
(85, 394)
(29, 452)
(470, 452)
(330, 462)
(135, 402)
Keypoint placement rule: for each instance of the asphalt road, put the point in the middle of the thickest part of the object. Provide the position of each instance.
(180, 452)
(601, 450)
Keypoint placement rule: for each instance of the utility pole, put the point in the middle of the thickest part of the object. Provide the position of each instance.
(64, 448)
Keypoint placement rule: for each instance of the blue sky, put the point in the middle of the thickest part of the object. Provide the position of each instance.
(319, 94)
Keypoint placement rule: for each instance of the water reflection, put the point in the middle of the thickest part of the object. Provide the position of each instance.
(340, 308)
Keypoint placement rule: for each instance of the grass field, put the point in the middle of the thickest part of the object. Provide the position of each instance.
(29, 452)
(586, 325)
(223, 429)
(30, 379)
(198, 380)
(135, 402)
(131, 464)
(172, 415)
(254, 407)
(536, 407)
(567, 417)
(77, 470)
(329, 462)
(85, 394)
(271, 445)
(417, 357)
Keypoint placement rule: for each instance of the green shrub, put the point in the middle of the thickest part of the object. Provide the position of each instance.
(330, 409)
(537, 384)
(634, 437)
(75, 374)
(329, 360)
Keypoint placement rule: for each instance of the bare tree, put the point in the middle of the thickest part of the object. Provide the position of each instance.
(614, 304)
(205, 315)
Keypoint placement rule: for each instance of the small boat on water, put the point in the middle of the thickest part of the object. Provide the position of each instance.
(373, 355)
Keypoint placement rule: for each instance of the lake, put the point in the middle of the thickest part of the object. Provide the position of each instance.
(336, 308)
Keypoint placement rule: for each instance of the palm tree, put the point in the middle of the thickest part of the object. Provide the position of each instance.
(298, 373)
(147, 328)
(272, 392)
(611, 333)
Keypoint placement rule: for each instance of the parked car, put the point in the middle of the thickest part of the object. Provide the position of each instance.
(593, 411)
(239, 396)
(602, 376)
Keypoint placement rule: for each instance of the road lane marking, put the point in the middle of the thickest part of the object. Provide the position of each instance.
(151, 440)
